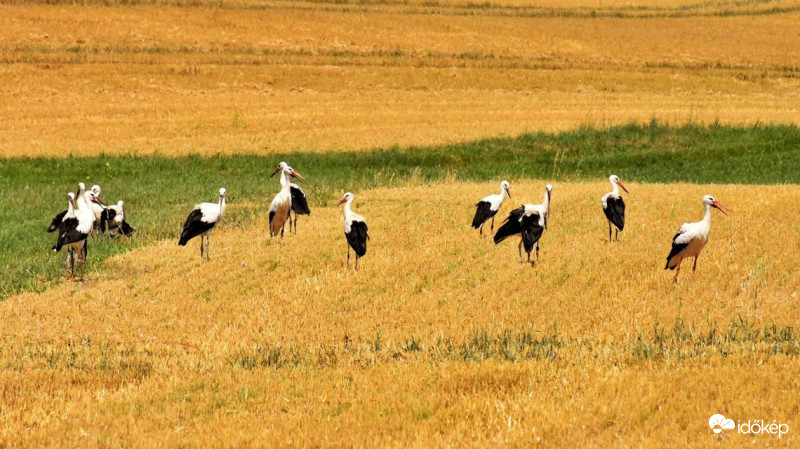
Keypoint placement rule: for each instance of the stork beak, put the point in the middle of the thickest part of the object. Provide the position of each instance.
(508, 192)
(100, 202)
(340, 201)
(298, 176)
(623, 186)
(722, 208)
(276, 171)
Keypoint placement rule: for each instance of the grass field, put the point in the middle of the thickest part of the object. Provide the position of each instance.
(441, 338)
(160, 191)
(276, 76)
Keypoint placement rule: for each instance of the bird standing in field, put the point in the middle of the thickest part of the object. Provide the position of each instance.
(299, 200)
(488, 206)
(98, 208)
(355, 229)
(614, 207)
(74, 230)
(201, 220)
(692, 237)
(281, 205)
(115, 214)
(529, 220)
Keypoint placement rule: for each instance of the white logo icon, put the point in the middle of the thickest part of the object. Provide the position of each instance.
(719, 424)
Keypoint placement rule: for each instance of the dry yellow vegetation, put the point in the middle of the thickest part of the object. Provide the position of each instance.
(442, 339)
(275, 76)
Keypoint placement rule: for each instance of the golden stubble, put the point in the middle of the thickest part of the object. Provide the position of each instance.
(294, 77)
(159, 348)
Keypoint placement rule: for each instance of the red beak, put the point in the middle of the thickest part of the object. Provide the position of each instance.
(721, 207)
(341, 201)
(298, 176)
(276, 171)
(623, 186)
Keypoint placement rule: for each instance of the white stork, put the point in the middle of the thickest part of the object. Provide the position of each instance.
(60, 216)
(614, 207)
(488, 206)
(201, 220)
(74, 230)
(530, 220)
(116, 215)
(299, 200)
(281, 205)
(98, 208)
(355, 229)
(692, 237)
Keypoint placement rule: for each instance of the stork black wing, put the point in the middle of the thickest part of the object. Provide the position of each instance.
(194, 226)
(357, 237)
(531, 231)
(676, 248)
(511, 226)
(299, 201)
(56, 222)
(483, 212)
(615, 212)
(68, 233)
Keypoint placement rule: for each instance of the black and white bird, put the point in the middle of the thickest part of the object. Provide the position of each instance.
(488, 206)
(299, 200)
(73, 232)
(692, 237)
(281, 205)
(355, 229)
(201, 220)
(114, 218)
(60, 216)
(614, 207)
(529, 220)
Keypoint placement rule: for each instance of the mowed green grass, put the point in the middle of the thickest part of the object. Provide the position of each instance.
(159, 191)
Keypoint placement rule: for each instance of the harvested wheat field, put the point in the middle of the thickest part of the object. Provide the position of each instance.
(266, 77)
(441, 339)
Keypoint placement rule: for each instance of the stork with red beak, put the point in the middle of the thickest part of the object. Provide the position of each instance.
(692, 237)
(355, 229)
(614, 207)
(281, 205)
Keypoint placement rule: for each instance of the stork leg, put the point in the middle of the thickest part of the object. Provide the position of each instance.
(348, 256)
(480, 228)
(694, 267)
(492, 224)
(616, 235)
(208, 248)
(295, 223)
(356, 262)
(201, 246)
(677, 270)
(609, 231)
(71, 263)
(537, 251)
(529, 258)
(519, 249)
(284, 225)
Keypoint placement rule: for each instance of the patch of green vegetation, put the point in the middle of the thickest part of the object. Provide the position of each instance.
(159, 191)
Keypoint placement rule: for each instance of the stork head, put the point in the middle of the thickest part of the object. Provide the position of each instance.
(504, 185)
(120, 203)
(81, 189)
(291, 172)
(549, 189)
(71, 198)
(614, 179)
(96, 189)
(91, 197)
(281, 166)
(347, 197)
(223, 193)
(710, 201)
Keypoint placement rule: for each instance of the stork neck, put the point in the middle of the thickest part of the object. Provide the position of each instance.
(614, 189)
(707, 215)
(546, 201)
(221, 206)
(347, 209)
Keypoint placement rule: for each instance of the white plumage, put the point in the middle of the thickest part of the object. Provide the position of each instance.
(691, 238)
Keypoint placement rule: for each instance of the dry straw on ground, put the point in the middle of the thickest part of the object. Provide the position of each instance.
(263, 77)
(272, 346)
